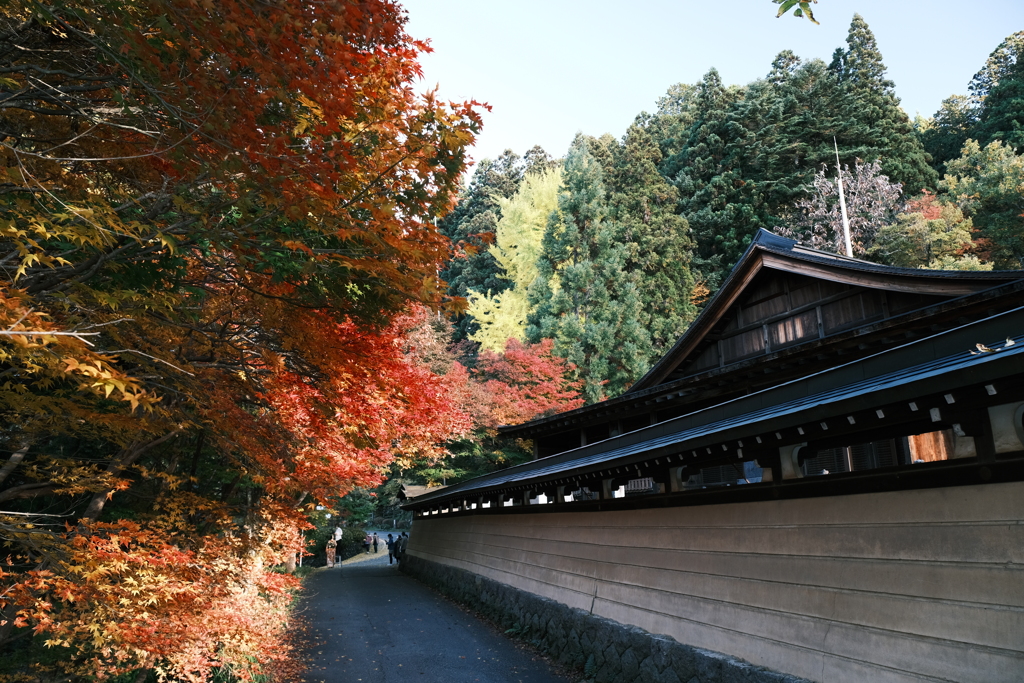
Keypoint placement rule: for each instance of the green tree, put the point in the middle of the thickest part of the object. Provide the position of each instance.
(669, 126)
(930, 234)
(798, 116)
(517, 249)
(987, 183)
(887, 133)
(997, 67)
(584, 299)
(659, 248)
(1002, 111)
(949, 129)
(707, 174)
(472, 224)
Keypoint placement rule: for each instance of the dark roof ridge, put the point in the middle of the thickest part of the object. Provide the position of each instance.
(765, 241)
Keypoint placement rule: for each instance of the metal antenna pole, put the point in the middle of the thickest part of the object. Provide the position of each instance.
(842, 201)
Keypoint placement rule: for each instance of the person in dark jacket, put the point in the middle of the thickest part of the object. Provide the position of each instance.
(401, 542)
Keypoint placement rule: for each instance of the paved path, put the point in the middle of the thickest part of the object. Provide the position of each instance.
(368, 622)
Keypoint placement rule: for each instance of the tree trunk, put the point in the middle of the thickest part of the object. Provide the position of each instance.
(7, 627)
(123, 460)
(13, 462)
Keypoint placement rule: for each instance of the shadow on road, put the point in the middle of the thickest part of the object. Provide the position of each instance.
(367, 622)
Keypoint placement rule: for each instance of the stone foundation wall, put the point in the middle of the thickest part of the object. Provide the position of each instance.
(605, 650)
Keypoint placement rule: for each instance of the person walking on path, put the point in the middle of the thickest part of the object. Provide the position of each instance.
(366, 543)
(391, 548)
(376, 540)
(402, 541)
(332, 546)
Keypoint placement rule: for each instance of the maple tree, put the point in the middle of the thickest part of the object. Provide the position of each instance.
(525, 382)
(929, 234)
(520, 383)
(215, 218)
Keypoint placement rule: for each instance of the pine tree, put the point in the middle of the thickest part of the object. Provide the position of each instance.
(949, 129)
(997, 67)
(1002, 112)
(669, 125)
(583, 298)
(643, 205)
(707, 174)
(887, 134)
(805, 110)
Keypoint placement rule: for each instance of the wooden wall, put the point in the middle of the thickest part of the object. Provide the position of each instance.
(923, 585)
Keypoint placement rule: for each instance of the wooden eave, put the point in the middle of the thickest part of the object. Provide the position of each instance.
(769, 251)
(897, 387)
(973, 291)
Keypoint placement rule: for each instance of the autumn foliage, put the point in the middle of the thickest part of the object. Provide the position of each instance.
(526, 382)
(522, 383)
(214, 219)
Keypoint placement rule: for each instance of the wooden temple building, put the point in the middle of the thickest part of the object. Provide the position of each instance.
(824, 477)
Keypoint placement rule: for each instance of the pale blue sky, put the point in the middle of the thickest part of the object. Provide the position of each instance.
(550, 69)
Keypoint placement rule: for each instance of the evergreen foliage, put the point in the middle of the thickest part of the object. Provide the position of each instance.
(998, 65)
(882, 129)
(987, 183)
(584, 299)
(994, 110)
(949, 129)
(1002, 113)
(643, 203)
(710, 183)
(750, 154)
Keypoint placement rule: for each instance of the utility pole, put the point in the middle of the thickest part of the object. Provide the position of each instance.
(842, 201)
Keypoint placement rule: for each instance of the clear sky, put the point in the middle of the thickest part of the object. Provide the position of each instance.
(552, 68)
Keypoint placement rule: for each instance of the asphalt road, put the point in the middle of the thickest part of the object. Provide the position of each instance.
(367, 622)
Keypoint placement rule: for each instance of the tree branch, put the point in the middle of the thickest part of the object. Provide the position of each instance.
(13, 462)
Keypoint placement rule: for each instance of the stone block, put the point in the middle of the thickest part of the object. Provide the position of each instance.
(684, 662)
(629, 663)
(661, 648)
(709, 665)
(649, 673)
(608, 673)
(668, 676)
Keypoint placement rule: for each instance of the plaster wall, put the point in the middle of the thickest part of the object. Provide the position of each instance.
(923, 585)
